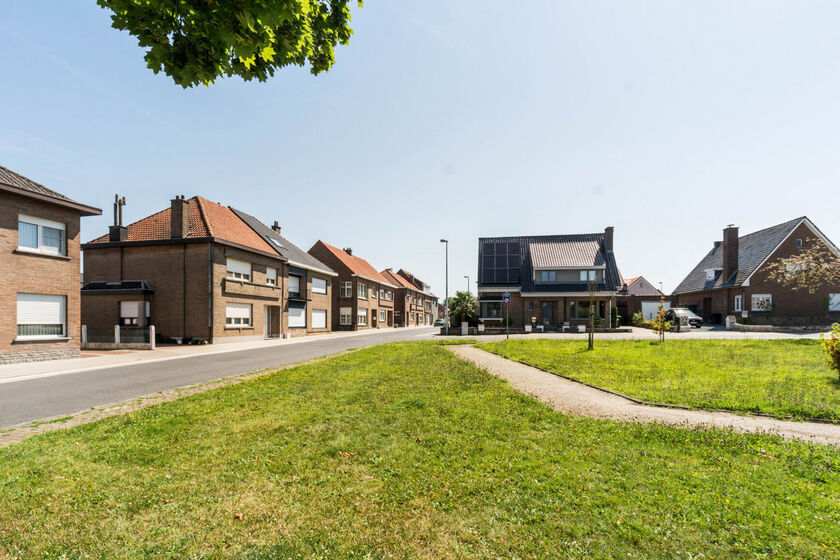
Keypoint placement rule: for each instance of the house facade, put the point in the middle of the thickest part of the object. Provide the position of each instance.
(412, 305)
(639, 295)
(39, 271)
(429, 300)
(552, 279)
(363, 298)
(731, 279)
(199, 271)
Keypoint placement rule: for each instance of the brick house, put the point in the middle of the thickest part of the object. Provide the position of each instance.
(199, 270)
(39, 268)
(430, 300)
(548, 277)
(732, 278)
(638, 294)
(413, 307)
(363, 298)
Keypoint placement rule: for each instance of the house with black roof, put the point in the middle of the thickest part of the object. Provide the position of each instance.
(553, 280)
(731, 279)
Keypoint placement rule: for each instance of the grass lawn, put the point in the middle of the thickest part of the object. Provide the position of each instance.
(404, 451)
(778, 377)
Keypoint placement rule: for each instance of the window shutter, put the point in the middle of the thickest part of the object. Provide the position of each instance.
(319, 286)
(297, 314)
(241, 267)
(294, 284)
(319, 318)
(130, 309)
(38, 309)
(238, 310)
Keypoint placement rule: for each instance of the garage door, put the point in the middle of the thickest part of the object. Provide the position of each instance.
(651, 308)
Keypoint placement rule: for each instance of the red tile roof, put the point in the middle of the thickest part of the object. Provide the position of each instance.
(357, 265)
(629, 281)
(399, 281)
(207, 219)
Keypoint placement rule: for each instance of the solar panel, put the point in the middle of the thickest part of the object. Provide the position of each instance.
(500, 262)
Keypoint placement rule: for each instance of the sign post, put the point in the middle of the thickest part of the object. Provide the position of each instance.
(506, 301)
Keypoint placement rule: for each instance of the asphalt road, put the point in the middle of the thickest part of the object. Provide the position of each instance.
(61, 395)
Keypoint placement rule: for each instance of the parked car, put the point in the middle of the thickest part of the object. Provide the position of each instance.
(438, 322)
(676, 313)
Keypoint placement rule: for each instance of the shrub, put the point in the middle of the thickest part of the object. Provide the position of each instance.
(638, 318)
(614, 317)
(831, 345)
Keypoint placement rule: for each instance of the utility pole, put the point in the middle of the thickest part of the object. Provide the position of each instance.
(446, 309)
(468, 283)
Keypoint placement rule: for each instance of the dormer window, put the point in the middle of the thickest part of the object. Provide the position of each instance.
(711, 273)
(587, 275)
(548, 276)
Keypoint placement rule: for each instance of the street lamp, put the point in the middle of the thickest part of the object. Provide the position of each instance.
(468, 283)
(446, 308)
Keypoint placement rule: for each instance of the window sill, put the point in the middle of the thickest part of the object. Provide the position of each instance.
(30, 252)
(238, 328)
(25, 339)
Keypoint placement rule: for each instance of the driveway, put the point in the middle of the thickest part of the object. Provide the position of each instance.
(60, 394)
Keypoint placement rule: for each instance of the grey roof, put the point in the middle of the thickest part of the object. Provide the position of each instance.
(17, 183)
(282, 245)
(582, 249)
(753, 249)
(12, 179)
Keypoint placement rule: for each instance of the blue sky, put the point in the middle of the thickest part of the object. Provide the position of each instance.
(668, 120)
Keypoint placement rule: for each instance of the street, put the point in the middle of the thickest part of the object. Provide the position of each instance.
(49, 397)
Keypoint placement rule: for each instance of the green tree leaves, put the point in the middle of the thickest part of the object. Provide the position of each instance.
(198, 41)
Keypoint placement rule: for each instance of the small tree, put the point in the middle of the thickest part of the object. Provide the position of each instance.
(831, 345)
(462, 307)
(660, 325)
(808, 270)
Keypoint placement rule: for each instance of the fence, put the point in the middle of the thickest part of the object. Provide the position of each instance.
(119, 337)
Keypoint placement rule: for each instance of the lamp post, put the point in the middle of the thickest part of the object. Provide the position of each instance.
(446, 305)
(468, 283)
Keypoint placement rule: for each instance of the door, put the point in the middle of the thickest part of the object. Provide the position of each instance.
(547, 313)
(267, 330)
(707, 309)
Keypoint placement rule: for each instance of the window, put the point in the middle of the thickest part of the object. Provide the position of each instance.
(548, 276)
(346, 290)
(799, 243)
(294, 286)
(381, 293)
(131, 312)
(361, 316)
(237, 315)
(762, 302)
(711, 273)
(271, 276)
(238, 270)
(41, 316)
(41, 236)
(739, 303)
(373, 293)
(587, 275)
(345, 316)
(491, 310)
(834, 302)
(319, 318)
(382, 316)
(579, 309)
(362, 291)
(389, 295)
(319, 286)
(297, 314)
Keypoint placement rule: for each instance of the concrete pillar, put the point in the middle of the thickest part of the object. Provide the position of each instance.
(117, 336)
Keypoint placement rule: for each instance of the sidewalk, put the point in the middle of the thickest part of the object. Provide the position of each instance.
(108, 359)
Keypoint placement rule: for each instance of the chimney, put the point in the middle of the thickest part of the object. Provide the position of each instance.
(608, 238)
(730, 251)
(180, 220)
(349, 251)
(276, 227)
(118, 232)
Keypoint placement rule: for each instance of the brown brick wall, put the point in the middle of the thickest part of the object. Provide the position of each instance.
(27, 273)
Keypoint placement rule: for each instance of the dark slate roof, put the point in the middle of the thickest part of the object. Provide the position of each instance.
(282, 245)
(753, 249)
(571, 250)
(18, 182)
(126, 286)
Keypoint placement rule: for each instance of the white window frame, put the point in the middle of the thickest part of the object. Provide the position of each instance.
(382, 293)
(319, 313)
(834, 302)
(271, 276)
(294, 278)
(40, 224)
(739, 303)
(761, 297)
(319, 285)
(236, 316)
(346, 290)
(389, 295)
(383, 317)
(297, 320)
(345, 316)
(361, 290)
(588, 275)
(49, 303)
(361, 316)
(236, 269)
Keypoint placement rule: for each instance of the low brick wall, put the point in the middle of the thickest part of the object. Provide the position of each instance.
(773, 328)
(38, 355)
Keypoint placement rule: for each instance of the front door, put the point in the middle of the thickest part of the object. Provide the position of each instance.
(547, 313)
(267, 330)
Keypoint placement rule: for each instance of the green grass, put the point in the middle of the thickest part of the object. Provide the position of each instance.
(404, 451)
(778, 377)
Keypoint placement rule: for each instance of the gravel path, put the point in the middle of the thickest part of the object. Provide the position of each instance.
(573, 398)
